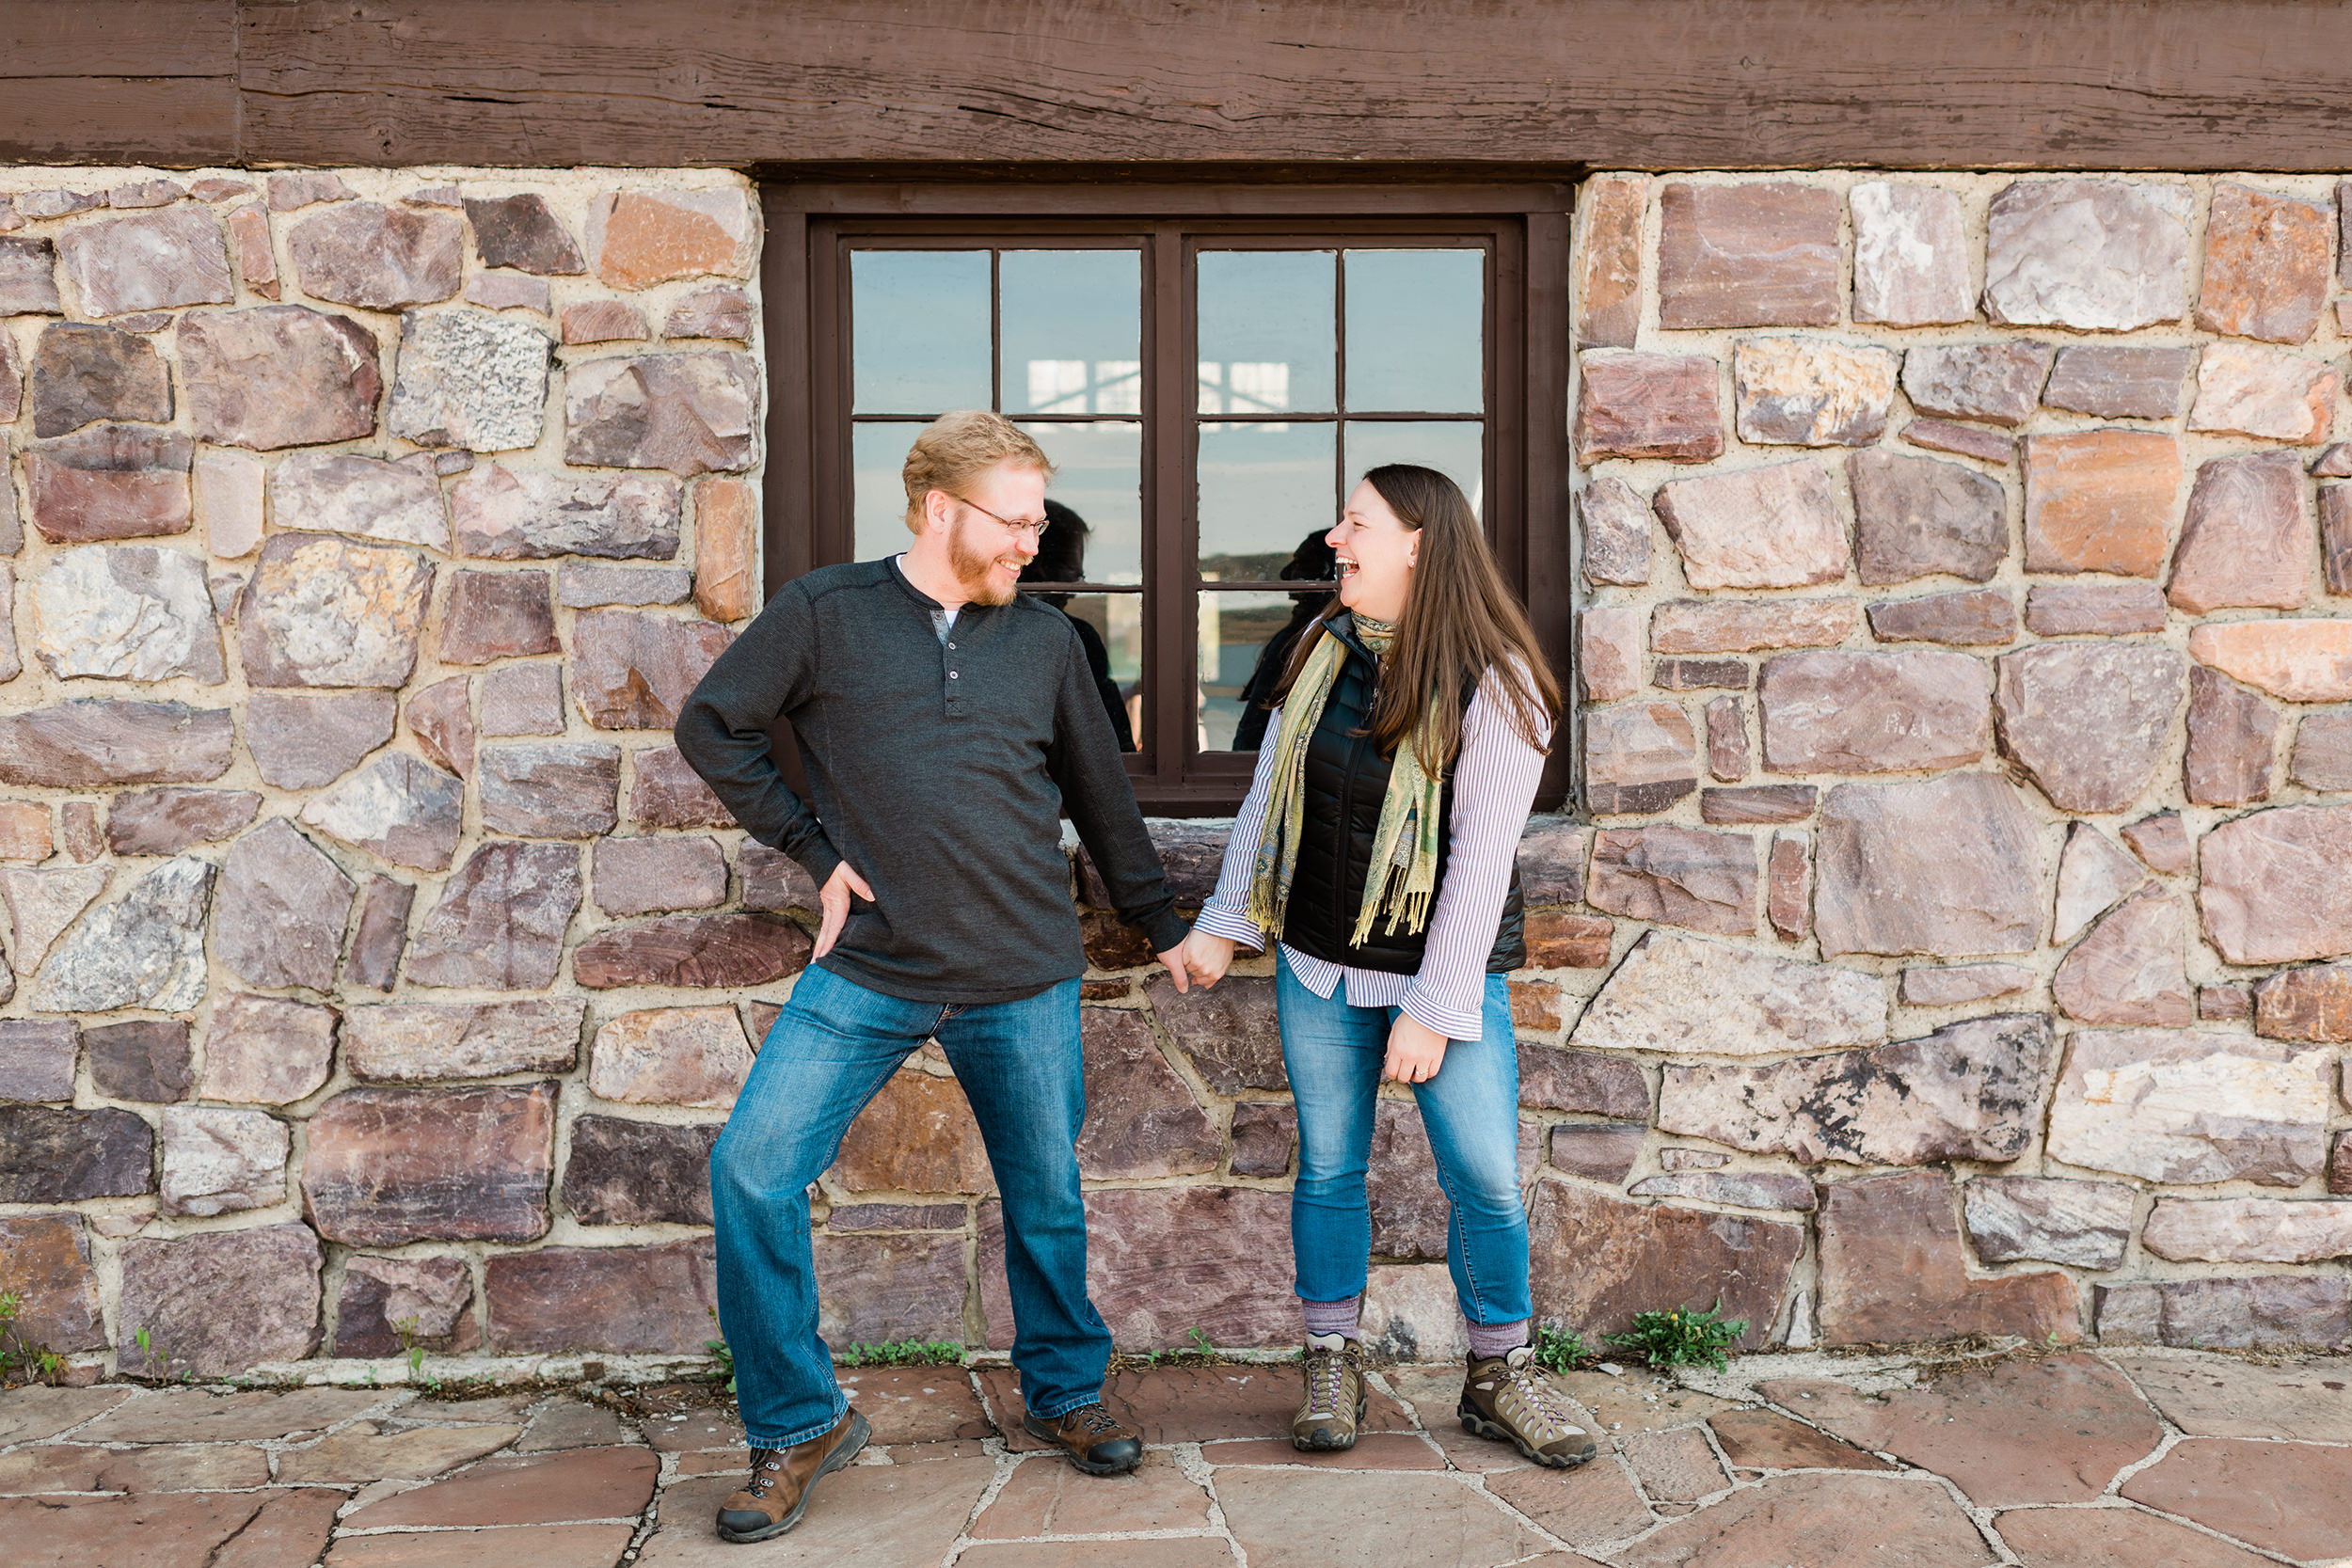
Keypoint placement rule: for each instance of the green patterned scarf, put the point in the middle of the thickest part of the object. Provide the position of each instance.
(1403, 875)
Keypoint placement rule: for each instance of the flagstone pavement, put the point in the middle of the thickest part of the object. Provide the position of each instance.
(2149, 1459)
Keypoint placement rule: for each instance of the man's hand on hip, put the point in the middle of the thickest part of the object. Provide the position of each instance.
(834, 901)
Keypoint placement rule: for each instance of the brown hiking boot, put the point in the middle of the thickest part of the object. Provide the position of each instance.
(781, 1480)
(1096, 1441)
(1508, 1399)
(1334, 1410)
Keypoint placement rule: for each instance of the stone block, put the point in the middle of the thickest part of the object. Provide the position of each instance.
(44, 1262)
(499, 923)
(1701, 674)
(471, 379)
(916, 1135)
(640, 1300)
(879, 1289)
(1754, 1004)
(1774, 527)
(2313, 1003)
(364, 497)
(1609, 653)
(2161, 841)
(1598, 1150)
(109, 481)
(2232, 736)
(664, 792)
(2092, 875)
(1557, 939)
(1552, 861)
(725, 312)
(2335, 537)
(145, 1059)
(84, 372)
(2093, 255)
(1757, 804)
(430, 1299)
(320, 611)
(221, 1300)
(221, 1162)
(2100, 500)
(2277, 885)
(1736, 625)
(523, 699)
(291, 190)
(509, 514)
(2262, 393)
(382, 935)
(1998, 383)
(604, 321)
(442, 717)
(552, 789)
(266, 1050)
(301, 742)
(2192, 1106)
(420, 1041)
(41, 905)
(726, 549)
(2247, 542)
(624, 1172)
(1894, 1272)
(2116, 382)
(387, 1167)
(1597, 1260)
(284, 907)
(155, 261)
(1984, 617)
(400, 809)
(1948, 867)
(2224, 1004)
(1608, 260)
(279, 376)
(1971, 1090)
(1915, 516)
(1744, 1188)
(2323, 751)
(2128, 970)
(129, 613)
(24, 831)
(1648, 406)
(2249, 1230)
(1229, 1034)
(1727, 758)
(1615, 533)
(771, 878)
(1638, 758)
(523, 233)
(1686, 877)
(146, 949)
(1837, 712)
(584, 586)
(507, 291)
(671, 1056)
(1811, 392)
(646, 875)
(630, 669)
(1749, 255)
(1264, 1138)
(639, 238)
(2269, 1311)
(376, 257)
(2088, 722)
(688, 413)
(2303, 662)
(2265, 273)
(710, 950)
(48, 1155)
(1910, 256)
(229, 497)
(1966, 441)
(2087, 1224)
(80, 837)
(37, 1059)
(1141, 1121)
(1788, 885)
(2340, 1165)
(2093, 609)
(28, 275)
(1955, 984)
(257, 263)
(11, 400)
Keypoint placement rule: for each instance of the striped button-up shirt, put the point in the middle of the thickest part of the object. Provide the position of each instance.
(1494, 788)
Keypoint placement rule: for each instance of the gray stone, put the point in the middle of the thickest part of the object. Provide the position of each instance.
(2088, 722)
(1229, 1034)
(507, 291)
(380, 258)
(145, 1059)
(218, 1161)
(525, 513)
(1727, 757)
(2129, 969)
(1550, 861)
(2277, 885)
(2323, 751)
(623, 1172)
(1141, 1120)
(1598, 1150)
(84, 372)
(2247, 542)
(688, 413)
(581, 585)
(1949, 867)
(268, 1050)
(365, 497)
(37, 1059)
(2249, 1230)
(293, 189)
(1744, 626)
(664, 792)
(2192, 1105)
(2095, 255)
(2092, 875)
(523, 233)
(2093, 609)
(1998, 383)
(284, 907)
(1266, 1135)
(281, 376)
(301, 742)
(219, 1303)
(1811, 392)
(49, 1155)
(28, 275)
(417, 1042)
(110, 482)
(1915, 515)
(1615, 533)
(2269, 1312)
(495, 615)
(1638, 758)
(1971, 1090)
(2233, 734)
(471, 379)
(499, 923)
(1954, 985)
(442, 717)
(1686, 876)
(771, 878)
(549, 790)
(11, 399)
(523, 699)
(91, 743)
(41, 904)
(1978, 617)
(1597, 1260)
(402, 810)
(2118, 383)
(146, 949)
(1678, 996)
(1837, 712)
(633, 671)
(126, 612)
(1742, 1188)
(431, 1299)
(655, 875)
(1910, 255)
(154, 262)
(321, 610)
(2087, 1224)
(1758, 805)
(1774, 527)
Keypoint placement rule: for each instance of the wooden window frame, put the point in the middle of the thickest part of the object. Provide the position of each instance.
(806, 513)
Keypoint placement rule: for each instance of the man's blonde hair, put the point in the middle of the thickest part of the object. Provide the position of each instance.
(956, 449)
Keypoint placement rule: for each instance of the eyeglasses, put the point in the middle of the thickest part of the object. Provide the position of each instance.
(1036, 530)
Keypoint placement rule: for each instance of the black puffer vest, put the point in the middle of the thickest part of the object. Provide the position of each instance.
(1346, 780)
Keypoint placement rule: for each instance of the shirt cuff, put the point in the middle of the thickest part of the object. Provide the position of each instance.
(1165, 929)
(1221, 922)
(1453, 1025)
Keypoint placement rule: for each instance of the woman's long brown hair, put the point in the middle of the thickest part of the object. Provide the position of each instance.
(1461, 621)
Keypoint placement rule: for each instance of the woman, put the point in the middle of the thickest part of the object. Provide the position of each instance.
(1377, 845)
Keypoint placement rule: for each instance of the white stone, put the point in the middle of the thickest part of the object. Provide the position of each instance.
(401, 808)
(1774, 527)
(365, 497)
(2094, 873)
(41, 904)
(218, 1161)
(1812, 392)
(2096, 254)
(2264, 392)
(127, 612)
(2191, 1105)
(512, 514)
(1677, 993)
(471, 379)
(228, 499)
(1910, 256)
(1412, 1313)
(2087, 1224)
(146, 949)
(2249, 1230)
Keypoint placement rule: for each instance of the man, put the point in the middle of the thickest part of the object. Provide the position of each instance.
(945, 723)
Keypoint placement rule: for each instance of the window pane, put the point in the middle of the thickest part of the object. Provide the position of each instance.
(1415, 330)
(877, 453)
(1265, 329)
(1235, 629)
(919, 331)
(1451, 446)
(1071, 326)
(1116, 621)
(1263, 487)
(1098, 477)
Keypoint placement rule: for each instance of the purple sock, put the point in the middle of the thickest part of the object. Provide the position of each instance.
(1334, 1316)
(1489, 1340)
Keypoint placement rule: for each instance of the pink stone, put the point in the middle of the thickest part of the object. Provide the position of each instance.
(1836, 712)
(1774, 527)
(1637, 406)
(1609, 260)
(2301, 660)
(381, 257)
(1637, 757)
(150, 263)
(2100, 500)
(1910, 255)
(2265, 273)
(2248, 540)
(2088, 722)
(2128, 970)
(2268, 393)
(2232, 736)
(604, 321)
(1705, 882)
(1763, 254)
(1609, 653)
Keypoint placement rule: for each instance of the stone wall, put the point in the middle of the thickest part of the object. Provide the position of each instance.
(1963, 724)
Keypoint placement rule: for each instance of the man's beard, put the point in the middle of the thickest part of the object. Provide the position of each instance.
(974, 568)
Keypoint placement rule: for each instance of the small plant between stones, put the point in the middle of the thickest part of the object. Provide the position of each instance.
(1682, 1337)
(900, 1352)
(406, 1328)
(1202, 1353)
(719, 1353)
(1562, 1349)
(21, 1360)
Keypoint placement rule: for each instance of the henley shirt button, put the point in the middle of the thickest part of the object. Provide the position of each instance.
(952, 674)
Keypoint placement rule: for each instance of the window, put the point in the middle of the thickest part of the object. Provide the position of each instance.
(1210, 387)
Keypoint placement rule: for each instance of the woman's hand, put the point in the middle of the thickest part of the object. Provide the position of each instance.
(832, 902)
(1416, 1050)
(1207, 956)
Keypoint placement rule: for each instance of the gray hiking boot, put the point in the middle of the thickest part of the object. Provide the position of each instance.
(1507, 1398)
(1327, 1421)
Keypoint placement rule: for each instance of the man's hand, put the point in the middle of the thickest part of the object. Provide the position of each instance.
(1207, 956)
(833, 898)
(1416, 1050)
(1173, 961)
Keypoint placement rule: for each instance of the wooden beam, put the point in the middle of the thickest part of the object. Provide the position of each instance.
(118, 81)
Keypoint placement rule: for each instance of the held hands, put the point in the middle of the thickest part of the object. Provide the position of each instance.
(834, 900)
(1205, 956)
(1416, 1050)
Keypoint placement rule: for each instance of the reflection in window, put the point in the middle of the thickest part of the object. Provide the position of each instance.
(1234, 629)
(1066, 387)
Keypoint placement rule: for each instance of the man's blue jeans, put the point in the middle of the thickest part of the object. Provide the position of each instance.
(835, 1046)
(1470, 1110)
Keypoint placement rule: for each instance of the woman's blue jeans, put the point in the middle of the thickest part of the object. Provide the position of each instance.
(833, 1047)
(1470, 1110)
